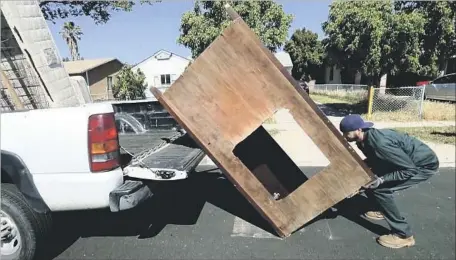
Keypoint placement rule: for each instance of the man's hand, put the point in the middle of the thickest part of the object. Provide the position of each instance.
(374, 184)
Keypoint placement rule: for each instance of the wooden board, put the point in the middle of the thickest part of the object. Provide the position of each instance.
(223, 98)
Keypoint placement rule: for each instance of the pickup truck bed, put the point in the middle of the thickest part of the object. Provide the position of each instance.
(169, 150)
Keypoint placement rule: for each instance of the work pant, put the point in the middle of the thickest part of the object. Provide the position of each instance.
(384, 197)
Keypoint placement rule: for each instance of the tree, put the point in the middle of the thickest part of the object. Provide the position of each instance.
(208, 19)
(369, 37)
(439, 39)
(306, 53)
(129, 85)
(99, 11)
(71, 34)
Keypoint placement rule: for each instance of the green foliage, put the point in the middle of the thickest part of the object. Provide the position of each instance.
(403, 45)
(206, 21)
(439, 40)
(99, 11)
(129, 85)
(369, 37)
(306, 53)
(382, 37)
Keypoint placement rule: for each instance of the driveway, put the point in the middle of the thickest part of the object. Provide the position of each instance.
(206, 218)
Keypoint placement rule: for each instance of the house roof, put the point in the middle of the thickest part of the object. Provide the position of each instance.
(162, 50)
(284, 58)
(81, 66)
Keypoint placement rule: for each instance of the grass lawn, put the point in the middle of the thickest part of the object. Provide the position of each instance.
(341, 105)
(327, 100)
(350, 97)
(442, 134)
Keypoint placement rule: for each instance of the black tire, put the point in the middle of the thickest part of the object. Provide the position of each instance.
(33, 227)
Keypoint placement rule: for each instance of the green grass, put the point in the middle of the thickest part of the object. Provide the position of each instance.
(341, 105)
(442, 134)
(327, 100)
(340, 96)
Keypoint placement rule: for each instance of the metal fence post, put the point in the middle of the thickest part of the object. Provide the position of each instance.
(421, 102)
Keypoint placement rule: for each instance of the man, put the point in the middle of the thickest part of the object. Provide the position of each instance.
(399, 161)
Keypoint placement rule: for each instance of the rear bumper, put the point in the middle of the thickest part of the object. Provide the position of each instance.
(129, 195)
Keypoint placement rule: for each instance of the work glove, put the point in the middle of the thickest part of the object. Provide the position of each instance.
(374, 184)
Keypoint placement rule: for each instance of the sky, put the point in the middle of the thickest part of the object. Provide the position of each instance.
(134, 36)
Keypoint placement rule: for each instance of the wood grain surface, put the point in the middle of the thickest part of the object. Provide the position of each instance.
(223, 98)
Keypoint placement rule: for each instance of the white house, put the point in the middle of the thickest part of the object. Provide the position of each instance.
(164, 67)
(333, 76)
(285, 59)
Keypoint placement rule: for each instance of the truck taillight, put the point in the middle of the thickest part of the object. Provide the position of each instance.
(104, 149)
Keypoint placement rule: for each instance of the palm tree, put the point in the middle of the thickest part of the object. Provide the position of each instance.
(71, 34)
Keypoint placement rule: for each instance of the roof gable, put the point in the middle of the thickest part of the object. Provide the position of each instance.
(81, 66)
(162, 55)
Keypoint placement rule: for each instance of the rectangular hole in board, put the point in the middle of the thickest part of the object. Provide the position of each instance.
(274, 160)
(269, 164)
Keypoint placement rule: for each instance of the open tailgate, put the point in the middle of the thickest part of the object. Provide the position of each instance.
(161, 155)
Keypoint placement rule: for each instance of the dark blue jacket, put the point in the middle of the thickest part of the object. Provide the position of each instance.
(396, 156)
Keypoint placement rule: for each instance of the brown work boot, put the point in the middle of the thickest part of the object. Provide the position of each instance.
(374, 215)
(394, 241)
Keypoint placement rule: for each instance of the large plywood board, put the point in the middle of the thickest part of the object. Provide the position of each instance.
(222, 100)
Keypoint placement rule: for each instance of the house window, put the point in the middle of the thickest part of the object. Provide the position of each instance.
(109, 86)
(331, 74)
(166, 79)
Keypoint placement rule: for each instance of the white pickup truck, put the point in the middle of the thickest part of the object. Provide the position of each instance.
(64, 159)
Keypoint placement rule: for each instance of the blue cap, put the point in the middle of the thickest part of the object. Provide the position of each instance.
(352, 123)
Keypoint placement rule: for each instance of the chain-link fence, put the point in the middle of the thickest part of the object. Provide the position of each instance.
(403, 103)
(406, 102)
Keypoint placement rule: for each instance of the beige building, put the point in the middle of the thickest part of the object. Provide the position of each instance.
(98, 73)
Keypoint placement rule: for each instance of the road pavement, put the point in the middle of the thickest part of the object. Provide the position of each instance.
(206, 218)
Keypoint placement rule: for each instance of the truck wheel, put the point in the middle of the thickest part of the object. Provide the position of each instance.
(22, 229)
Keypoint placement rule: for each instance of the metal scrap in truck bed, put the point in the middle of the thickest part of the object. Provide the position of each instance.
(161, 154)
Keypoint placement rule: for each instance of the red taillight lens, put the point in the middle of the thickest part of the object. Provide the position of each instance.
(103, 143)
(422, 83)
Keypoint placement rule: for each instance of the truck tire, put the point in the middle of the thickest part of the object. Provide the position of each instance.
(23, 230)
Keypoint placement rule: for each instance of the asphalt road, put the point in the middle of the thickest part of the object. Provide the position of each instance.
(198, 219)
